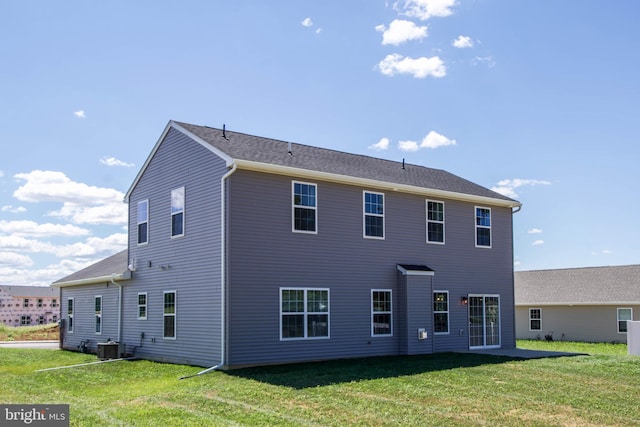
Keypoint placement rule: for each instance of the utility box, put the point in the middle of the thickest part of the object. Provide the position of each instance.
(108, 350)
(633, 337)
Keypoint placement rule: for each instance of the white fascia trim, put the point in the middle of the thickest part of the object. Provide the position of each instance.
(118, 277)
(173, 125)
(370, 183)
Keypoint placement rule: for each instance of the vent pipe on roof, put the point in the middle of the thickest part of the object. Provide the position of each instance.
(289, 149)
(403, 164)
(224, 131)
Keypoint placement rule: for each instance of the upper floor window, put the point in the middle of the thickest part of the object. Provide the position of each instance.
(25, 303)
(177, 212)
(435, 222)
(381, 312)
(39, 303)
(54, 302)
(143, 221)
(305, 213)
(98, 314)
(535, 319)
(483, 227)
(373, 214)
(304, 313)
(624, 314)
(441, 312)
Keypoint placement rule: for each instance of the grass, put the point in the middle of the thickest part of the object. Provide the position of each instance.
(29, 333)
(602, 388)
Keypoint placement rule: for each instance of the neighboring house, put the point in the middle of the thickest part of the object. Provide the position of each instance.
(245, 250)
(29, 305)
(577, 304)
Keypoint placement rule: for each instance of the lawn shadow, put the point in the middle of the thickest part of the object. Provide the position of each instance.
(317, 374)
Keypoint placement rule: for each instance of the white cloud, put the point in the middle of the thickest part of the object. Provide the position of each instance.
(79, 114)
(534, 231)
(15, 259)
(307, 22)
(538, 243)
(425, 9)
(487, 60)
(408, 146)
(507, 187)
(112, 161)
(1, 174)
(419, 68)
(82, 203)
(462, 42)
(31, 228)
(605, 251)
(401, 31)
(319, 30)
(13, 209)
(383, 144)
(92, 246)
(435, 140)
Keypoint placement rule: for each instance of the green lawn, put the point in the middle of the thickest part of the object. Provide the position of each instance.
(602, 388)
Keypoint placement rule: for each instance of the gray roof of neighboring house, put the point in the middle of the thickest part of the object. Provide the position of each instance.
(31, 291)
(114, 265)
(578, 286)
(274, 152)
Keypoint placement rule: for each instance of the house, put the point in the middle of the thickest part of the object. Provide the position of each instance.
(29, 305)
(589, 304)
(246, 250)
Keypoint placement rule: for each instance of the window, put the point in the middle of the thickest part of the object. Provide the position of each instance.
(41, 320)
(177, 212)
(54, 302)
(305, 214)
(169, 314)
(98, 314)
(381, 313)
(39, 303)
(373, 215)
(435, 222)
(25, 303)
(535, 319)
(25, 320)
(304, 313)
(440, 312)
(143, 221)
(624, 314)
(54, 319)
(142, 306)
(70, 315)
(483, 227)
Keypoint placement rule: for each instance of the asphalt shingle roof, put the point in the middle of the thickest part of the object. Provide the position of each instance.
(275, 152)
(589, 285)
(30, 291)
(115, 264)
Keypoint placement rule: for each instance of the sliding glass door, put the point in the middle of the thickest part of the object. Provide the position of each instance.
(484, 321)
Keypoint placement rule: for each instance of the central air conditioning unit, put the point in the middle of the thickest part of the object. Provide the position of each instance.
(109, 350)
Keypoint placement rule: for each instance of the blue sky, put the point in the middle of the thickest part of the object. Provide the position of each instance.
(538, 100)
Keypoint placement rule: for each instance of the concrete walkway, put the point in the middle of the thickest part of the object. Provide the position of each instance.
(521, 353)
(49, 345)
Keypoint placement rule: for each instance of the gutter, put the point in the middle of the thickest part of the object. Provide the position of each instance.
(93, 280)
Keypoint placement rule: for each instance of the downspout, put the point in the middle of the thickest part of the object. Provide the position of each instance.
(223, 274)
(119, 306)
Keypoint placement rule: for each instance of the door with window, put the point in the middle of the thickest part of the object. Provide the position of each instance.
(484, 321)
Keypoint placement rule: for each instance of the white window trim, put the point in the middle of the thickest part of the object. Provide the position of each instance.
(365, 214)
(142, 222)
(433, 242)
(476, 227)
(618, 318)
(70, 315)
(183, 211)
(531, 318)
(294, 206)
(98, 315)
(390, 313)
(447, 312)
(306, 313)
(174, 315)
(146, 305)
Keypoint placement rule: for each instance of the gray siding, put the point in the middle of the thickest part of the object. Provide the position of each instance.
(189, 265)
(588, 323)
(265, 255)
(84, 315)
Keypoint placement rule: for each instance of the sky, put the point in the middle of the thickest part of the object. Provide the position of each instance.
(537, 100)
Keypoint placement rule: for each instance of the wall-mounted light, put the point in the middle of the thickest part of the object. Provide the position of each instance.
(464, 300)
